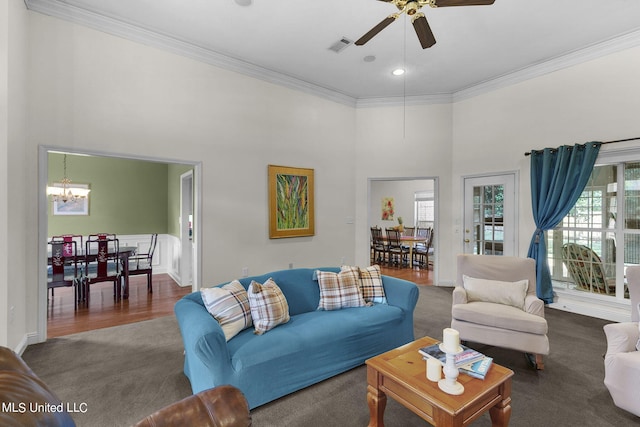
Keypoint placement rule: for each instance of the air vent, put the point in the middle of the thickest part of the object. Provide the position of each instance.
(338, 46)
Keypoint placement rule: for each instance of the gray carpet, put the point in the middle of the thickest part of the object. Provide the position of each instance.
(126, 372)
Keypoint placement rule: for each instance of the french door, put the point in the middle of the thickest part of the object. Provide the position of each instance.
(490, 215)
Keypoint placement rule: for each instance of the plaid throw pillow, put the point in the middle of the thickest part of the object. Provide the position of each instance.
(371, 284)
(229, 305)
(269, 306)
(339, 290)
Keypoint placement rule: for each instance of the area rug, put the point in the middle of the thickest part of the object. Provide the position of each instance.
(126, 372)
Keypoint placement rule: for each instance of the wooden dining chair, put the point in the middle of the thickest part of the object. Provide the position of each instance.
(378, 246)
(102, 264)
(142, 263)
(63, 270)
(396, 251)
(422, 251)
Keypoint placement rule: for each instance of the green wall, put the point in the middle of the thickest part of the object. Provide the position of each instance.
(127, 196)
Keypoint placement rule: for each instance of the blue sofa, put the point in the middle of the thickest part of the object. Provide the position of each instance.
(314, 345)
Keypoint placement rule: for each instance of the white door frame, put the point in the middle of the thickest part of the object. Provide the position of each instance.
(40, 335)
(510, 180)
(436, 198)
(186, 241)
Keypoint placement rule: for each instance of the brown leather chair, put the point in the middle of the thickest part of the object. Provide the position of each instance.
(20, 388)
(222, 406)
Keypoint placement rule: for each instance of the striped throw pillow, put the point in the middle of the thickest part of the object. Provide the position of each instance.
(229, 305)
(268, 304)
(339, 290)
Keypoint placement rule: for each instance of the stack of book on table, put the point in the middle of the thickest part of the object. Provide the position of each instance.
(469, 361)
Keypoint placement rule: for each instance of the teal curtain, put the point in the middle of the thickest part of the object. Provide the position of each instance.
(558, 177)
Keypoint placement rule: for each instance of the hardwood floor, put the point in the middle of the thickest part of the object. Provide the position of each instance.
(103, 312)
(419, 276)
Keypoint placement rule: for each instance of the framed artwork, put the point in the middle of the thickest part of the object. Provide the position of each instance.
(77, 206)
(387, 209)
(291, 211)
(71, 207)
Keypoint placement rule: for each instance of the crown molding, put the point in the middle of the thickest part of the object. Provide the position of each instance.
(68, 12)
(617, 44)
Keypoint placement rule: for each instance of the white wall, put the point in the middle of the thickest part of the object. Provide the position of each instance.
(595, 101)
(403, 193)
(17, 228)
(93, 91)
(385, 150)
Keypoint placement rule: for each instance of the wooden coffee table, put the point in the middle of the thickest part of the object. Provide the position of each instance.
(401, 374)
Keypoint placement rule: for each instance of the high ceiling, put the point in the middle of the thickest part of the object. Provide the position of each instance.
(287, 41)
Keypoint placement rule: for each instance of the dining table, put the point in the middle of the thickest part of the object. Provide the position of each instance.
(124, 252)
(410, 242)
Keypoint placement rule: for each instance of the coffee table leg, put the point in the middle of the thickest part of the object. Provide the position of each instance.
(501, 413)
(377, 401)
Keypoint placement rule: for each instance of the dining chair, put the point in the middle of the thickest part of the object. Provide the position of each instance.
(142, 263)
(422, 251)
(378, 246)
(396, 250)
(63, 270)
(102, 264)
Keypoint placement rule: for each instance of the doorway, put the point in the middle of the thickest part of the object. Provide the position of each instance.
(44, 206)
(414, 200)
(186, 228)
(490, 217)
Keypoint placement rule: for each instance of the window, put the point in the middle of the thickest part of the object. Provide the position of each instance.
(591, 248)
(424, 209)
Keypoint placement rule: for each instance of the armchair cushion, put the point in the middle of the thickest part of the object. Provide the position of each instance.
(499, 316)
(496, 291)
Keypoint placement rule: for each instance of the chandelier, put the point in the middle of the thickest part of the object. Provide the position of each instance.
(63, 191)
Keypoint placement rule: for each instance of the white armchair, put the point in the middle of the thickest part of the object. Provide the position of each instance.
(622, 360)
(495, 303)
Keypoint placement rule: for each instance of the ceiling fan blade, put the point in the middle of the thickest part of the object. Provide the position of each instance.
(423, 31)
(375, 30)
(447, 3)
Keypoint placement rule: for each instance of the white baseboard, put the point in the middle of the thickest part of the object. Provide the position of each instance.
(587, 305)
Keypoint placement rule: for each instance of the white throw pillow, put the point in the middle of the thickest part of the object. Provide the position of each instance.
(229, 305)
(496, 291)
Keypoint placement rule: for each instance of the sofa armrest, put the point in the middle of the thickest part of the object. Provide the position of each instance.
(459, 296)
(223, 406)
(203, 338)
(401, 293)
(621, 337)
(534, 305)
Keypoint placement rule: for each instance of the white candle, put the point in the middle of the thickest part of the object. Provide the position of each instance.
(434, 370)
(451, 340)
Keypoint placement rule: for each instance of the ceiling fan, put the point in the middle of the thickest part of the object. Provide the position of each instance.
(420, 24)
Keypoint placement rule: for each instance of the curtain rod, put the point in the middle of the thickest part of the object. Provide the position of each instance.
(607, 142)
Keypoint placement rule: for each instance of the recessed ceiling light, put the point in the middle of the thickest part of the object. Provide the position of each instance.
(398, 72)
(244, 2)
(369, 58)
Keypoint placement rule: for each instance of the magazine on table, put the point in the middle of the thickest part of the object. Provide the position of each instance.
(466, 357)
(478, 369)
